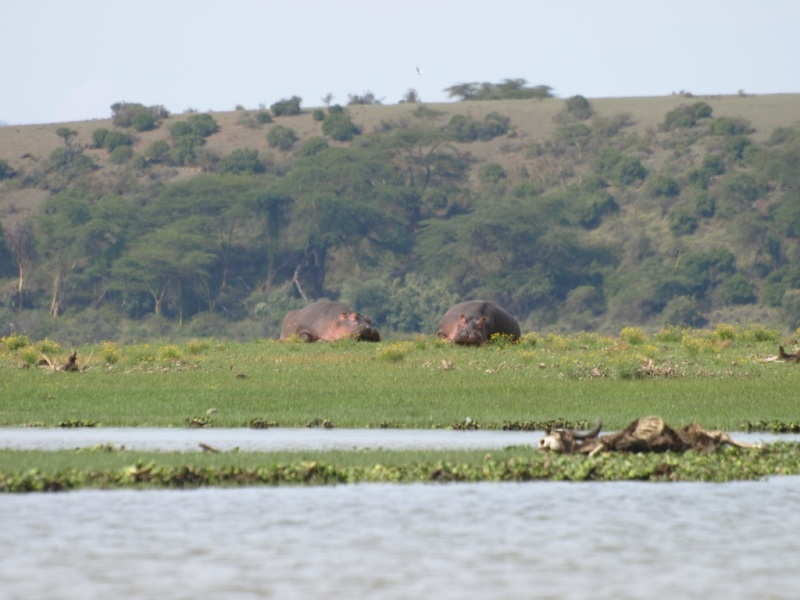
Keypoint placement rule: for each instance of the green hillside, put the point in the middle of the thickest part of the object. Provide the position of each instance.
(575, 214)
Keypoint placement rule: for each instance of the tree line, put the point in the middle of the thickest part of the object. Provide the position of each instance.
(402, 222)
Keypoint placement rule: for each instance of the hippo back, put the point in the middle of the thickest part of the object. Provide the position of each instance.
(474, 322)
(328, 321)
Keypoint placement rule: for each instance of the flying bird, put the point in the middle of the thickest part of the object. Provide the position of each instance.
(419, 71)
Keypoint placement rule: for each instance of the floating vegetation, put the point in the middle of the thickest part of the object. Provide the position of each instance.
(544, 425)
(771, 426)
(199, 422)
(326, 423)
(525, 464)
(69, 423)
(262, 424)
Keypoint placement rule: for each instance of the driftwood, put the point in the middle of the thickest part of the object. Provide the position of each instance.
(648, 434)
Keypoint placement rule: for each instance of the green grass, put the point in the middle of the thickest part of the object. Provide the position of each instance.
(719, 379)
(720, 383)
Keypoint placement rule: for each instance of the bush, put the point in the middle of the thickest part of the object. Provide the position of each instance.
(114, 139)
(263, 117)
(737, 290)
(281, 137)
(195, 125)
(285, 108)
(5, 170)
(729, 126)
(629, 170)
(683, 311)
(491, 173)
(705, 205)
(157, 152)
(664, 185)
(339, 126)
(99, 137)
(241, 162)
(313, 146)
(465, 129)
(686, 115)
(682, 222)
(318, 114)
(143, 121)
(120, 155)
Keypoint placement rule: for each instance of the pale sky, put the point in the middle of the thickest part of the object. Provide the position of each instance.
(70, 60)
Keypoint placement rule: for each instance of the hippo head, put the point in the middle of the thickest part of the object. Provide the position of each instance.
(357, 326)
(471, 331)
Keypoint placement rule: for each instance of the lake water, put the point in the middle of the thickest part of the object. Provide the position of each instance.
(488, 540)
(465, 541)
(261, 440)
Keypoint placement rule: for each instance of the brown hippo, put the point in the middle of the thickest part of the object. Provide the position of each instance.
(475, 321)
(328, 322)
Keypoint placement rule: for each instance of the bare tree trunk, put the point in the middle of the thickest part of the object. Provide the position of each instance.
(296, 282)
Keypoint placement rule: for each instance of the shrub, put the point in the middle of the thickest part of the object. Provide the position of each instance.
(313, 146)
(285, 108)
(737, 290)
(682, 222)
(143, 121)
(15, 341)
(263, 117)
(633, 335)
(491, 173)
(339, 126)
(705, 205)
(281, 137)
(683, 311)
(157, 151)
(240, 162)
(629, 171)
(318, 114)
(99, 136)
(5, 170)
(120, 155)
(114, 139)
(686, 115)
(664, 185)
(729, 126)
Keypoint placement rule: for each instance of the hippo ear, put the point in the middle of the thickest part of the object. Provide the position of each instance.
(481, 322)
(462, 319)
(353, 317)
(343, 316)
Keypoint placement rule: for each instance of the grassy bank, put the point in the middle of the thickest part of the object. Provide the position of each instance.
(717, 378)
(723, 379)
(23, 471)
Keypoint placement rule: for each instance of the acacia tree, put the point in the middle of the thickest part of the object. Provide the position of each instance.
(21, 243)
(166, 260)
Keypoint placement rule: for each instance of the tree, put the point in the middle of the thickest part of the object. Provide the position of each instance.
(286, 108)
(240, 162)
(340, 127)
(508, 89)
(20, 241)
(281, 137)
(166, 260)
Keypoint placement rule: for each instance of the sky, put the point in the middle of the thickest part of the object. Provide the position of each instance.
(64, 61)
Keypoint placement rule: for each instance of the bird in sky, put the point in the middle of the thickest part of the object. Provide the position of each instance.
(419, 71)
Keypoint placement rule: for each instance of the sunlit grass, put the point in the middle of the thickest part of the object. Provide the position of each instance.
(716, 377)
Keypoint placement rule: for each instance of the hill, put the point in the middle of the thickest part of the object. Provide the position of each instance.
(576, 214)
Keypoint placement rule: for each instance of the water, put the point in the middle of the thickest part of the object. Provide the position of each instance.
(530, 540)
(261, 440)
(465, 541)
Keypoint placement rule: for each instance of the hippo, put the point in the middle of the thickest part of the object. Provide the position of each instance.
(328, 322)
(475, 321)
